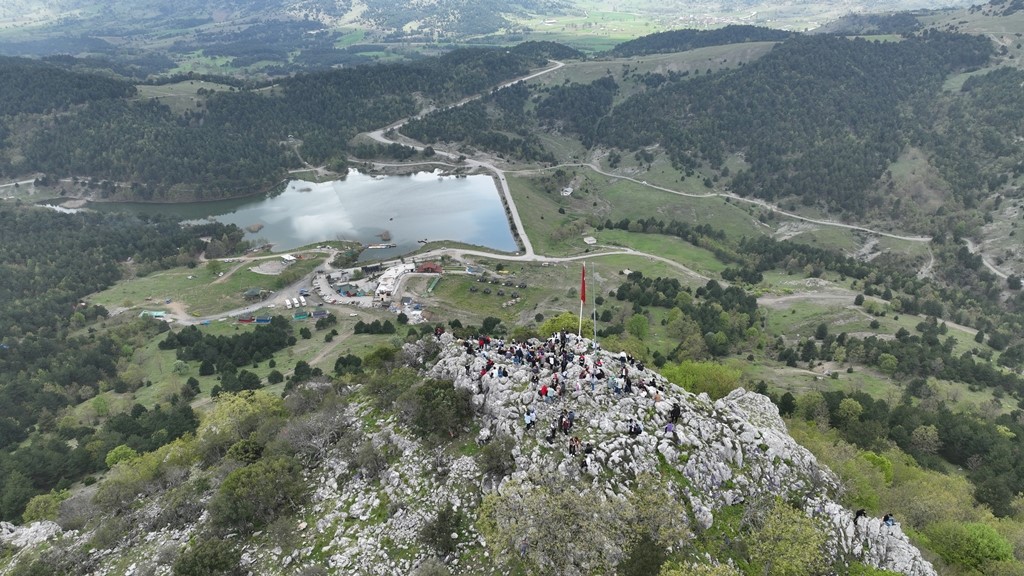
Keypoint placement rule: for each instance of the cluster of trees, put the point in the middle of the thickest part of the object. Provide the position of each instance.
(577, 107)
(50, 262)
(940, 508)
(375, 327)
(221, 352)
(488, 123)
(689, 39)
(712, 320)
(972, 148)
(930, 354)
(231, 144)
(821, 127)
(922, 425)
(36, 87)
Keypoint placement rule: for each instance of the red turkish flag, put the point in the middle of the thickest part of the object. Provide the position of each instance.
(583, 284)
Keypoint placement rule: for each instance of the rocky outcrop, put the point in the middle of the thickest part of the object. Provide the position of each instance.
(730, 451)
(735, 450)
(28, 535)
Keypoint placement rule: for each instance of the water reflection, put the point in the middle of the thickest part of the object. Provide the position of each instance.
(371, 209)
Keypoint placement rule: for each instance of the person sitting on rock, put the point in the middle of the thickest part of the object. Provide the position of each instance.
(889, 520)
(858, 515)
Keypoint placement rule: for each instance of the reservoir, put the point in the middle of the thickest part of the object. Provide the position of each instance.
(400, 210)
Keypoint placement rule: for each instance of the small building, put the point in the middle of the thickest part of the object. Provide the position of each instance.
(430, 268)
(348, 290)
(288, 258)
(253, 294)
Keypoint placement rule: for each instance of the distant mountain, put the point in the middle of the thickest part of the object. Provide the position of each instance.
(147, 21)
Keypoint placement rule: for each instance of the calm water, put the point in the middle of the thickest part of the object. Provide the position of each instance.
(423, 206)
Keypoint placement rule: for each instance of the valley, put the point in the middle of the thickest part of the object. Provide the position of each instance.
(807, 238)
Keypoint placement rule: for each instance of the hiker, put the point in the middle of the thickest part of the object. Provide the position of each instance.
(574, 445)
(858, 515)
(674, 414)
(889, 520)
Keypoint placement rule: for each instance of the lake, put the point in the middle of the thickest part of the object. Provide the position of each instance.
(421, 206)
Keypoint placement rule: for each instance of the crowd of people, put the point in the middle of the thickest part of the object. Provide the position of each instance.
(561, 367)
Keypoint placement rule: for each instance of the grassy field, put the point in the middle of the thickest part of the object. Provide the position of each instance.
(180, 96)
(693, 257)
(198, 289)
(696, 62)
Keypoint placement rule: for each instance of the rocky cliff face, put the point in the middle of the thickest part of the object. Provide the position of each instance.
(731, 451)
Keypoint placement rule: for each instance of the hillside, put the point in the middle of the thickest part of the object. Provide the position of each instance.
(353, 483)
(276, 37)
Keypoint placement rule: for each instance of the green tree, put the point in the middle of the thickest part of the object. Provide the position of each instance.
(180, 367)
(443, 531)
(789, 543)
(566, 321)
(821, 332)
(15, 493)
(637, 326)
(888, 363)
(968, 545)
(253, 496)
(44, 506)
(813, 407)
(715, 379)
(436, 409)
(925, 439)
(849, 411)
(119, 454)
(496, 456)
(302, 371)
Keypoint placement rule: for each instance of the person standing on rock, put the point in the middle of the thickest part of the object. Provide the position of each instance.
(675, 413)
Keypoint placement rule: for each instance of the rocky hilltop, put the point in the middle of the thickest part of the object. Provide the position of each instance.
(708, 459)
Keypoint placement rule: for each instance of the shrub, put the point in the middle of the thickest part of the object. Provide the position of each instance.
(437, 533)
(209, 557)
(253, 496)
(496, 457)
(44, 506)
(969, 545)
(436, 409)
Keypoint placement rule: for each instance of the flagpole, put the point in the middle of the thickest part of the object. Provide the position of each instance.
(595, 322)
(583, 298)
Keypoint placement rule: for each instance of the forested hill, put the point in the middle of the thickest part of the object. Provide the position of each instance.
(34, 87)
(819, 118)
(682, 40)
(230, 144)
